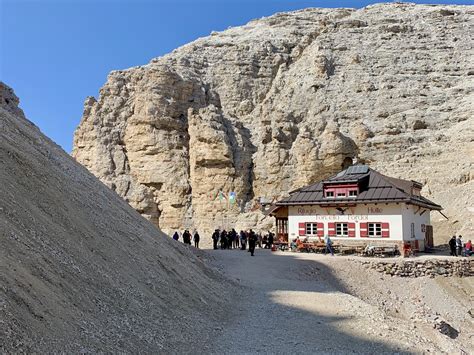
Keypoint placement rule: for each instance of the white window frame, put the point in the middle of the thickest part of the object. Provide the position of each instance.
(341, 227)
(330, 192)
(354, 193)
(374, 230)
(311, 228)
(341, 195)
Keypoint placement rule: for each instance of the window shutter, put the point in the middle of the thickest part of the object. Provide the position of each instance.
(385, 230)
(331, 229)
(320, 229)
(364, 233)
(351, 229)
(302, 228)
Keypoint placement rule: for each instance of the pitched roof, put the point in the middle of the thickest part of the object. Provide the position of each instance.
(373, 188)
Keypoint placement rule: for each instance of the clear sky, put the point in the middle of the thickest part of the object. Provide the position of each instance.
(55, 53)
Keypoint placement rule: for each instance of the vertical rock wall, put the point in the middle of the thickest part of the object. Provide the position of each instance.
(283, 102)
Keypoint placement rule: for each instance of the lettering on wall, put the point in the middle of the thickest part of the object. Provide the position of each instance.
(371, 210)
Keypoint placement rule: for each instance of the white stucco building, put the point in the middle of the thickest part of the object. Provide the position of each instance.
(358, 205)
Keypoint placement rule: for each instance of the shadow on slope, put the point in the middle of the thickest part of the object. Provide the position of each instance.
(296, 306)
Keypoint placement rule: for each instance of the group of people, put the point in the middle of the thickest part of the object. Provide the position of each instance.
(234, 240)
(187, 237)
(458, 248)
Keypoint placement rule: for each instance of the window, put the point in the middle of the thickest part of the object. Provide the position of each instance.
(329, 193)
(341, 194)
(342, 230)
(375, 229)
(311, 228)
(352, 193)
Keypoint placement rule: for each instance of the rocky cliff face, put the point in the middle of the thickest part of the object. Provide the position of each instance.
(284, 101)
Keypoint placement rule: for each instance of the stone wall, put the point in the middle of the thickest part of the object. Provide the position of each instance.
(463, 267)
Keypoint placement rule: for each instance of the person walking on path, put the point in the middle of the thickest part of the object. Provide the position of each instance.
(459, 245)
(452, 245)
(328, 243)
(252, 242)
(215, 239)
(176, 235)
(196, 239)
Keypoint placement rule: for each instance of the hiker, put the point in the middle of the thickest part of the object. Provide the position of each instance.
(294, 245)
(270, 240)
(459, 245)
(243, 240)
(223, 239)
(328, 243)
(196, 239)
(176, 235)
(452, 245)
(230, 240)
(235, 238)
(468, 248)
(265, 241)
(252, 242)
(187, 237)
(215, 238)
(259, 240)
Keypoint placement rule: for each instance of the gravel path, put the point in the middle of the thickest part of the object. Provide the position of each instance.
(293, 303)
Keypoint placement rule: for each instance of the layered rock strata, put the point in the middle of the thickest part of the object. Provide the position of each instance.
(287, 100)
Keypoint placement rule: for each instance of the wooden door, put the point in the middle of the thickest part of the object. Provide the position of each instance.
(429, 236)
(282, 229)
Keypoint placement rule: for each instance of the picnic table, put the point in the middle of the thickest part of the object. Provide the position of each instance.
(351, 249)
(315, 247)
(381, 250)
(281, 245)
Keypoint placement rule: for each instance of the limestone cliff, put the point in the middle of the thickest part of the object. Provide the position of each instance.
(284, 101)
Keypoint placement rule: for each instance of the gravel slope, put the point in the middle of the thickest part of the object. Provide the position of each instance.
(80, 270)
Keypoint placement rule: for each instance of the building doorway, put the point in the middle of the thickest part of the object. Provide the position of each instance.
(282, 229)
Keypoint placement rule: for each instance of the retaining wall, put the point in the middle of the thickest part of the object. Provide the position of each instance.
(418, 268)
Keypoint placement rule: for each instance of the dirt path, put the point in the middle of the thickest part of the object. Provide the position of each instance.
(293, 303)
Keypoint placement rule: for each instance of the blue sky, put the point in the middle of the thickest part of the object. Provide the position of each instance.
(55, 53)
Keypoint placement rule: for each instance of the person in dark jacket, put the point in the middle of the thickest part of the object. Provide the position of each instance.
(230, 240)
(224, 239)
(215, 239)
(176, 235)
(252, 242)
(196, 239)
(243, 240)
(187, 237)
(270, 239)
(452, 245)
(236, 239)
